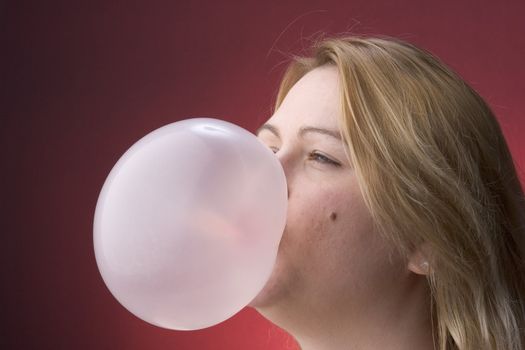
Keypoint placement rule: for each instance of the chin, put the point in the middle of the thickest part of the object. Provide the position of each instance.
(273, 290)
(264, 298)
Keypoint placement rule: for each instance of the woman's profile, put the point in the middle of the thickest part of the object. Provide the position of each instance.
(406, 223)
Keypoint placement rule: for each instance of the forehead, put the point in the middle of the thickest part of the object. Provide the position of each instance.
(314, 100)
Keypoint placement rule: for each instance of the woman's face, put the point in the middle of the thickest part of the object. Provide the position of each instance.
(330, 252)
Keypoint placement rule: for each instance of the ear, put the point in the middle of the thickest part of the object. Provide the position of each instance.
(418, 261)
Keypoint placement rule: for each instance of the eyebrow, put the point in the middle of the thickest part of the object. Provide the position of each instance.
(302, 131)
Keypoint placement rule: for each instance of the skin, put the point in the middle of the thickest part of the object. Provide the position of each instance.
(336, 283)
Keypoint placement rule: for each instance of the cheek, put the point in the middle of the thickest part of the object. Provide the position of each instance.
(313, 221)
(303, 224)
(357, 258)
(331, 233)
(330, 247)
(353, 237)
(309, 213)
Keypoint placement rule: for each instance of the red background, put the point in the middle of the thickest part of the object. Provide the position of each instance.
(83, 80)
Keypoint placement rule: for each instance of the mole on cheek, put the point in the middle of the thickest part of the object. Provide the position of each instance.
(333, 216)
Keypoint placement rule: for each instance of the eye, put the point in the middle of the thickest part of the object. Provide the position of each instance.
(321, 158)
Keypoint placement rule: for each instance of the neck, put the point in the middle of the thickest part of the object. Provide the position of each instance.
(401, 321)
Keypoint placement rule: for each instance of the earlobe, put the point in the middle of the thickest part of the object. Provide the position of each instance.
(418, 261)
(420, 269)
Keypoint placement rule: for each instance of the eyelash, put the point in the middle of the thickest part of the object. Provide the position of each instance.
(316, 156)
(321, 158)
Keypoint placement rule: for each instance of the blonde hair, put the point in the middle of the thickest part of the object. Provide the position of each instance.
(434, 167)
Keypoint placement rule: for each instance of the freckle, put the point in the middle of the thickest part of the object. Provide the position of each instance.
(333, 216)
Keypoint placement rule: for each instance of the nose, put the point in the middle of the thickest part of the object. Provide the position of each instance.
(287, 164)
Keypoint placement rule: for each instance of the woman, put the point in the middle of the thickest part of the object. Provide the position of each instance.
(405, 221)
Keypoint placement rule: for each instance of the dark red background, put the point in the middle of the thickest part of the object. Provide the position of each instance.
(83, 80)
